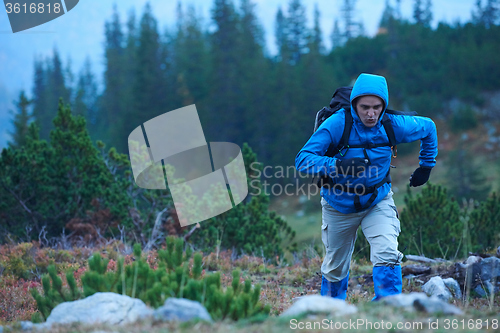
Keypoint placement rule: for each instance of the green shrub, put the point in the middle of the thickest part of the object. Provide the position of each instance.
(484, 225)
(44, 186)
(431, 224)
(174, 277)
(249, 227)
(463, 119)
(54, 292)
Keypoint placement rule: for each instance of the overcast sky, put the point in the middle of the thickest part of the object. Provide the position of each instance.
(80, 32)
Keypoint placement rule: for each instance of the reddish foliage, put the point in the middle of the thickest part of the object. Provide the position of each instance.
(16, 302)
(94, 225)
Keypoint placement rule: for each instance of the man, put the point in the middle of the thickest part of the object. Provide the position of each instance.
(360, 191)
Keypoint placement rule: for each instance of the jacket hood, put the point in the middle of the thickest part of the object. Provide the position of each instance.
(369, 84)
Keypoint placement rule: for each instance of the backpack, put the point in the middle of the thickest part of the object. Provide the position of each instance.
(341, 100)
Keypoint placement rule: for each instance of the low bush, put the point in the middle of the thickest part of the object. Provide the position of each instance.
(179, 274)
(431, 224)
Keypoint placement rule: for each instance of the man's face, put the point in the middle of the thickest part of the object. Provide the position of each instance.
(369, 109)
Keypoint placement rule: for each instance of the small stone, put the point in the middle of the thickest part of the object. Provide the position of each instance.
(436, 287)
(320, 304)
(181, 309)
(454, 287)
(480, 291)
(472, 260)
(490, 268)
(420, 302)
(26, 325)
(434, 305)
(107, 308)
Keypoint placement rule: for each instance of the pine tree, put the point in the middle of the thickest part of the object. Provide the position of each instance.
(46, 185)
(281, 35)
(50, 85)
(297, 31)
(427, 14)
(85, 103)
(226, 109)
(316, 38)
(397, 10)
(149, 84)
(40, 93)
(56, 89)
(485, 224)
(487, 15)
(418, 11)
(387, 15)
(351, 27)
(21, 121)
(112, 104)
(190, 63)
(336, 36)
(314, 75)
(432, 225)
(249, 227)
(254, 85)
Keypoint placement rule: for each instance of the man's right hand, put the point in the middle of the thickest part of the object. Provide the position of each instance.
(351, 166)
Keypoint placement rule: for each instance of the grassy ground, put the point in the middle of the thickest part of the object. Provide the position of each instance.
(281, 284)
(372, 319)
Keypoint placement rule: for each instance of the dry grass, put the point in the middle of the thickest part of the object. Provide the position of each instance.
(280, 285)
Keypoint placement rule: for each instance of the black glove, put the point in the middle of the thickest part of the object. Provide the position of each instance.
(351, 166)
(420, 176)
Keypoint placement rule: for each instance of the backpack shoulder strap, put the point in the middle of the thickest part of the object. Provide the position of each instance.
(344, 140)
(347, 127)
(386, 122)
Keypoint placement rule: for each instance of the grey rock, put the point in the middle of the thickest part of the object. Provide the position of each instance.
(106, 308)
(26, 325)
(436, 287)
(41, 326)
(420, 302)
(491, 288)
(480, 291)
(320, 304)
(181, 309)
(431, 305)
(486, 289)
(420, 259)
(454, 287)
(498, 252)
(470, 273)
(472, 260)
(490, 268)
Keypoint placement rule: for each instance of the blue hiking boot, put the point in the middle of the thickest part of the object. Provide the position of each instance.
(387, 281)
(335, 289)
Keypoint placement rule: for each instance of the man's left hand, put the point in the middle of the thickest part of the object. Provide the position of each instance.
(420, 176)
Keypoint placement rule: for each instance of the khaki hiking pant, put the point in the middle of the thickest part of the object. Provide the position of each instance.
(380, 225)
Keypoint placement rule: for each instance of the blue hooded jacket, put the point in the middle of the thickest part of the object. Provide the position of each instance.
(311, 159)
